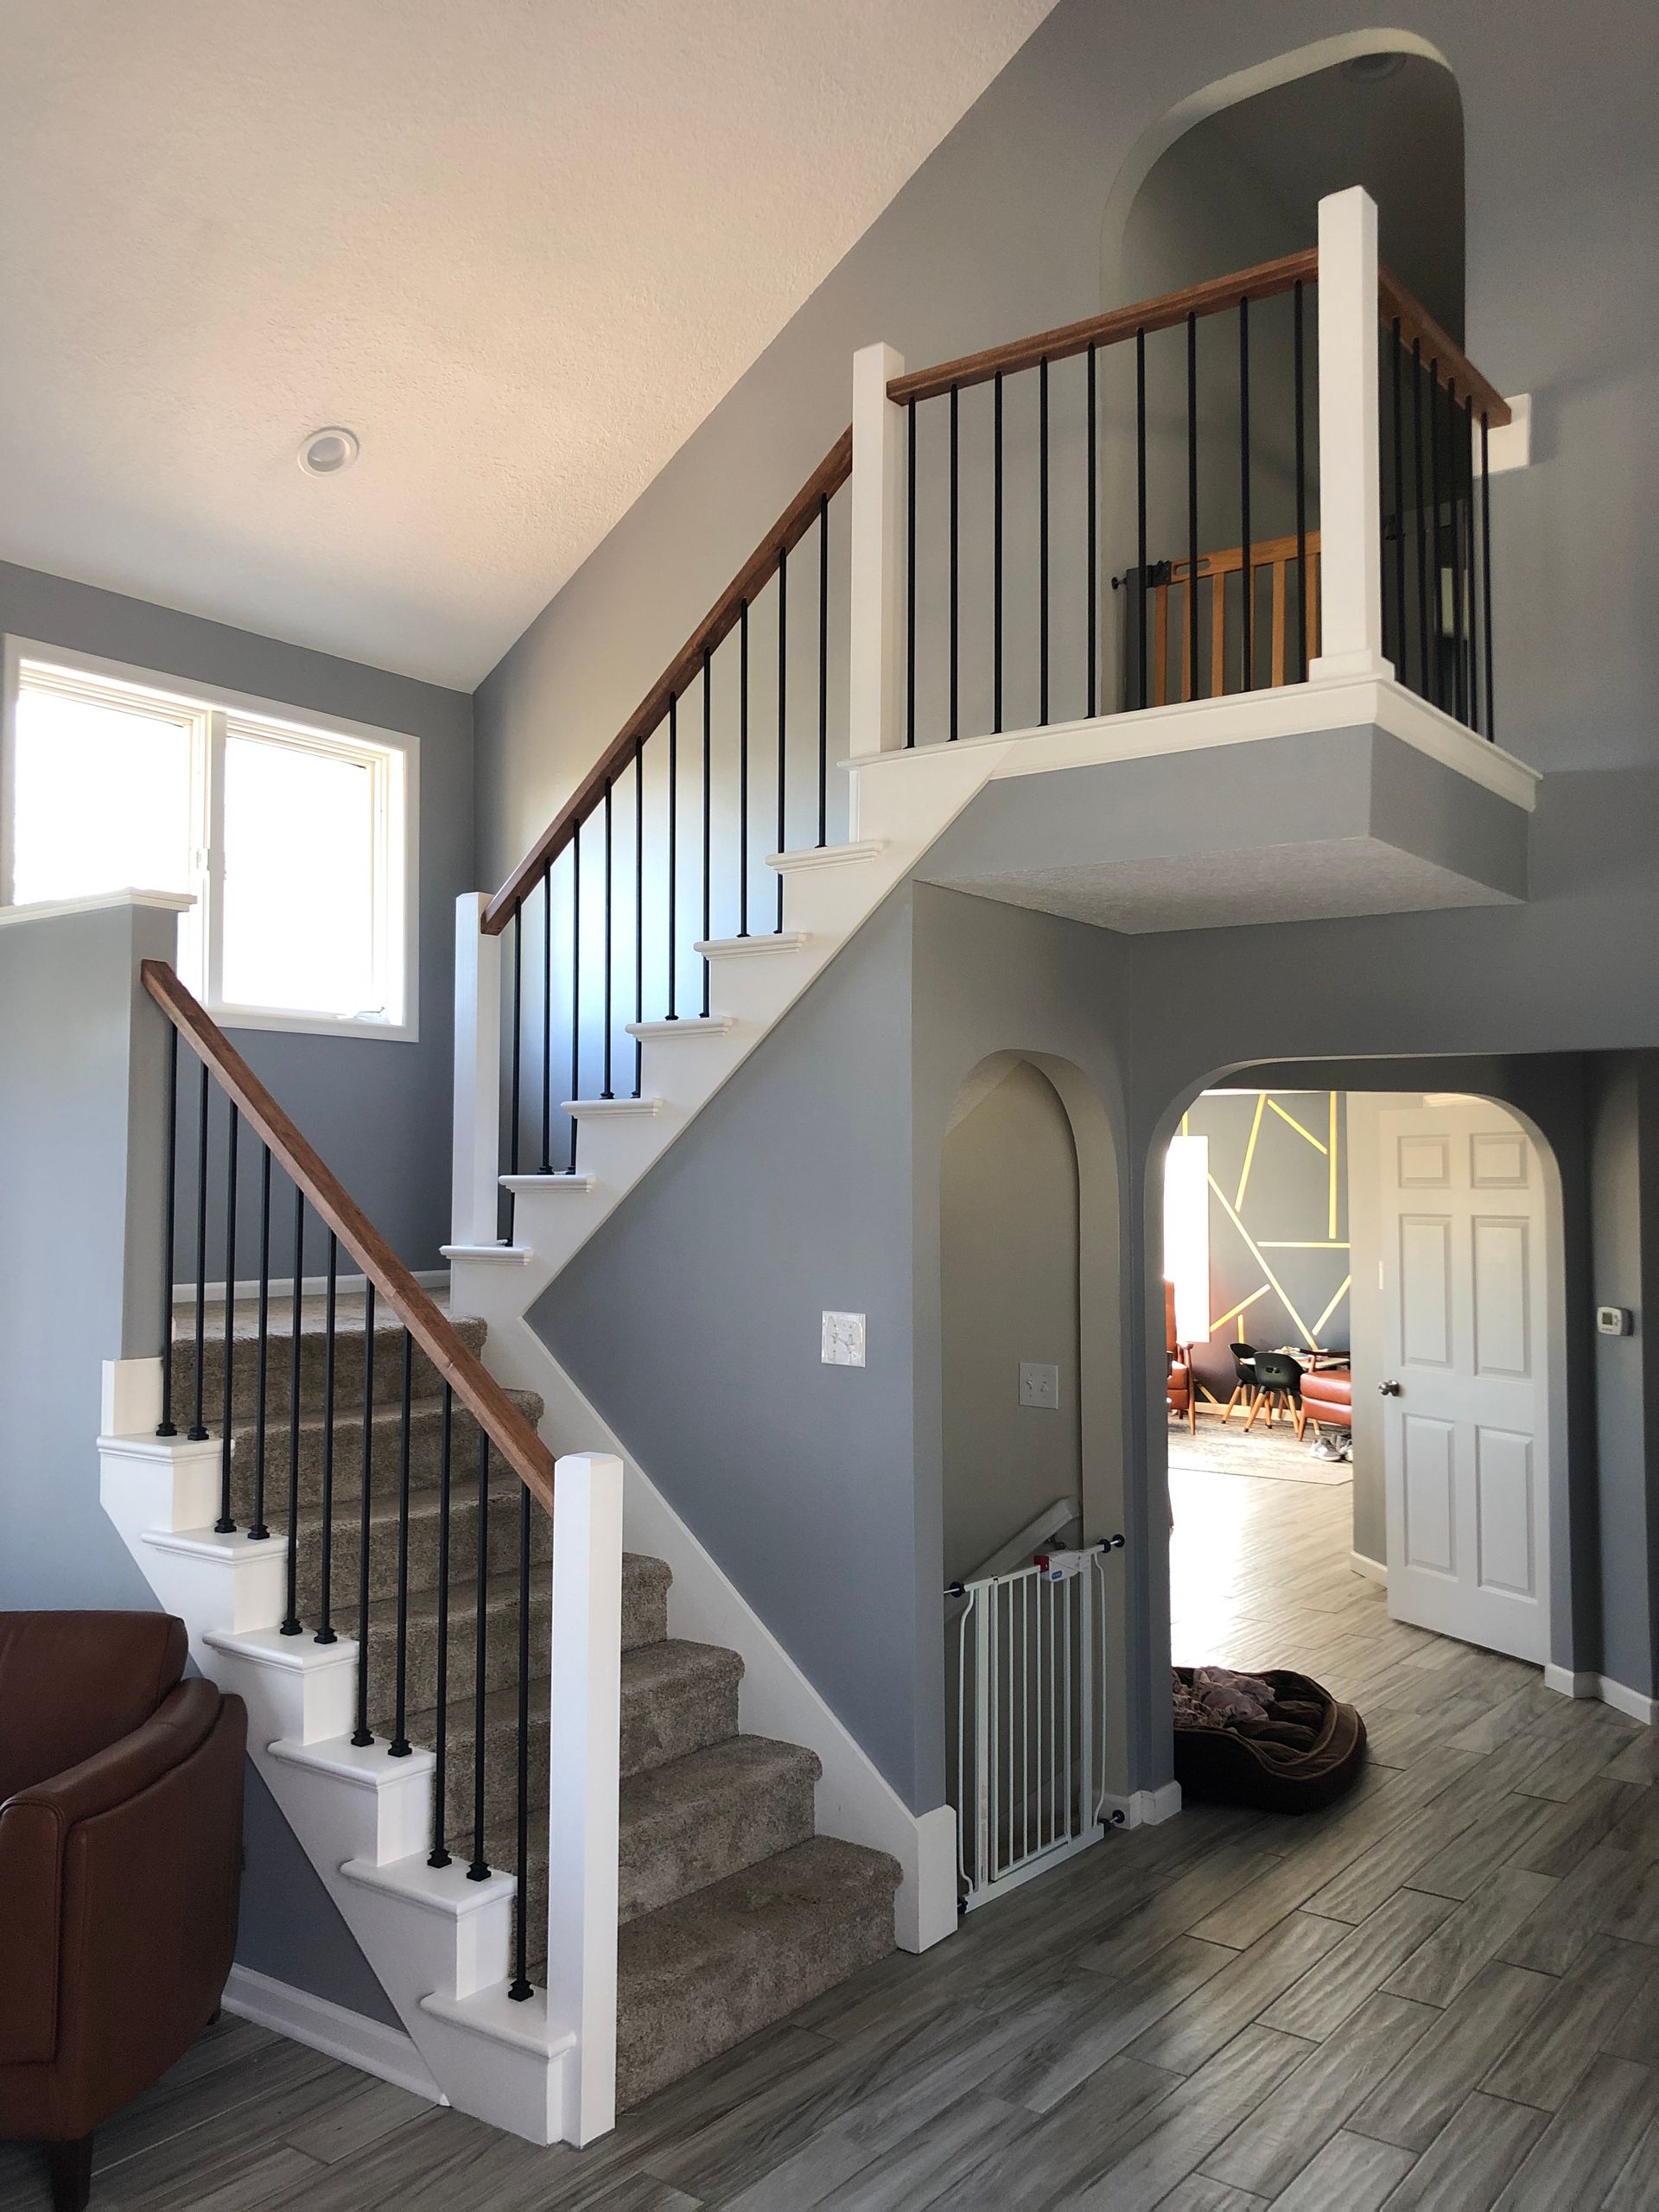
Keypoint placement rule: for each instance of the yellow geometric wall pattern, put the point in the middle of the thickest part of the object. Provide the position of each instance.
(1279, 1258)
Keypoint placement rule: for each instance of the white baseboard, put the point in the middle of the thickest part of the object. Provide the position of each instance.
(1143, 1808)
(1372, 1569)
(1632, 1703)
(370, 2045)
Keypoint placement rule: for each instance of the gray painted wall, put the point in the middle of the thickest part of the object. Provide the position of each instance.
(80, 1212)
(378, 1112)
(1007, 1293)
(1005, 230)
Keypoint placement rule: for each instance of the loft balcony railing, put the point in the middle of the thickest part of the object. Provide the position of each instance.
(1278, 477)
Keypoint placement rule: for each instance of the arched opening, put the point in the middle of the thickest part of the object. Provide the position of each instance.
(1037, 1666)
(1231, 181)
(1372, 1471)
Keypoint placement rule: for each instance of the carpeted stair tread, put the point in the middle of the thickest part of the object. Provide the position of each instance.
(678, 1697)
(385, 1472)
(698, 1819)
(699, 1975)
(349, 1345)
(425, 1513)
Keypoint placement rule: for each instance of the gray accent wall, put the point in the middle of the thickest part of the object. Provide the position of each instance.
(81, 1107)
(377, 1110)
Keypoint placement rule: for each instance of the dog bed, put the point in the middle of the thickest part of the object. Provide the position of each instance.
(1278, 1741)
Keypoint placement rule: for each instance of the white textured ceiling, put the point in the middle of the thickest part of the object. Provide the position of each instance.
(520, 246)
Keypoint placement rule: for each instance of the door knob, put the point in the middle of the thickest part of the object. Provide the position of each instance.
(1388, 1389)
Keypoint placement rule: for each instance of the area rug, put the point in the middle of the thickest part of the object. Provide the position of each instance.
(1225, 1448)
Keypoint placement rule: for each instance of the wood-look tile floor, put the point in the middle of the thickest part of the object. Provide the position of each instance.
(1442, 1993)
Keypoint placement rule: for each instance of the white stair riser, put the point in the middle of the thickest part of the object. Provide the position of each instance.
(162, 1495)
(756, 987)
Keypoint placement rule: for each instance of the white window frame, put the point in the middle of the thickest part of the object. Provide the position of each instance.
(392, 757)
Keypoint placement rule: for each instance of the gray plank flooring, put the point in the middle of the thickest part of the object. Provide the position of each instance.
(1442, 1993)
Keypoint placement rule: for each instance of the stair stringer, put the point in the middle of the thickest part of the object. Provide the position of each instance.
(439, 1945)
(828, 897)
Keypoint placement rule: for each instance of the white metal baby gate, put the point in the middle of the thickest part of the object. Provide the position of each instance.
(1028, 1654)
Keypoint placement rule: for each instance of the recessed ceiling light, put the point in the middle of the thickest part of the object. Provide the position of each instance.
(1372, 68)
(325, 452)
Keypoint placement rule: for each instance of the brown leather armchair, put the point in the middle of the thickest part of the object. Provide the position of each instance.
(120, 1862)
(1328, 1397)
(1180, 1385)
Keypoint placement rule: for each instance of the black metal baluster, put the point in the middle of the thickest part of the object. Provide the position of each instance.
(517, 1021)
(547, 1018)
(258, 1532)
(1247, 576)
(823, 669)
(707, 741)
(439, 1855)
(1474, 595)
(638, 907)
(1423, 677)
(166, 1426)
(743, 768)
(197, 1430)
(575, 982)
(325, 1625)
(996, 554)
(399, 1746)
(1301, 488)
(1437, 534)
(363, 1734)
(956, 594)
(1138, 600)
(1400, 637)
(910, 572)
(605, 1086)
(225, 1524)
(1091, 563)
(783, 713)
(479, 1869)
(291, 1619)
(1486, 566)
(1042, 540)
(1454, 517)
(1192, 508)
(520, 1987)
(673, 845)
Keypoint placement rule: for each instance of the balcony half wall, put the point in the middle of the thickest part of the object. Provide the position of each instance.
(1321, 799)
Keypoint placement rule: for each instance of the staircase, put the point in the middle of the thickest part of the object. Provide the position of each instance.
(732, 1911)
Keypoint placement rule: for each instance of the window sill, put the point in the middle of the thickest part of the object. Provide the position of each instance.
(314, 1025)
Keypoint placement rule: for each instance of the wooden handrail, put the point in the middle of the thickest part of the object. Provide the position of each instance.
(472, 1381)
(1264, 282)
(784, 535)
(1440, 352)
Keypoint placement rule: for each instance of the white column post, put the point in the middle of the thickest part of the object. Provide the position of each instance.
(584, 1762)
(476, 1141)
(878, 556)
(1351, 503)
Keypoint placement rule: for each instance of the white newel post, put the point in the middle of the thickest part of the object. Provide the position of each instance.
(584, 1753)
(1351, 506)
(877, 554)
(477, 1140)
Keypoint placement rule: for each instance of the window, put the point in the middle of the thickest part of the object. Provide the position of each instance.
(296, 839)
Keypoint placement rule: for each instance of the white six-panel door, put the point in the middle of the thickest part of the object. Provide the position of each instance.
(1465, 1412)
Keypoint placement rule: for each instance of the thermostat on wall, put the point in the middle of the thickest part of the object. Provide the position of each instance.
(1614, 1320)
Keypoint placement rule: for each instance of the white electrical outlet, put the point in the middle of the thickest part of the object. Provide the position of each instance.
(843, 1340)
(1039, 1385)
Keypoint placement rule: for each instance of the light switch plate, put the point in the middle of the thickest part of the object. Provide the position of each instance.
(1039, 1385)
(843, 1340)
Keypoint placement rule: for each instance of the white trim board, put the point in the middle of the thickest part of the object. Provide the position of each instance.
(1632, 1703)
(1321, 703)
(1372, 1569)
(320, 2025)
(95, 902)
